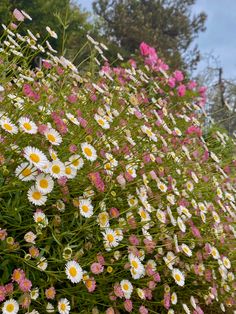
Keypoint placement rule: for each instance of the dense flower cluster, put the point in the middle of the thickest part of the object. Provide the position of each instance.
(111, 198)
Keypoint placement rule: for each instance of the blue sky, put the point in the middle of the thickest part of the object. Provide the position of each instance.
(218, 39)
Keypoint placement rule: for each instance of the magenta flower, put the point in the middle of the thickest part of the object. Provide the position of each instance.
(181, 90)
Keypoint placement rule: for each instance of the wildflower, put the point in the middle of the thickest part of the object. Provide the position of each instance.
(74, 271)
(8, 126)
(25, 285)
(86, 208)
(27, 125)
(18, 275)
(89, 151)
(127, 288)
(96, 268)
(42, 264)
(26, 172)
(10, 306)
(35, 156)
(44, 183)
(76, 161)
(63, 306)
(178, 277)
(36, 197)
(50, 293)
(110, 238)
(57, 169)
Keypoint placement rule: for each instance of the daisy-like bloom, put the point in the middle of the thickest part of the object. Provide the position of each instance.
(132, 201)
(27, 126)
(161, 186)
(53, 154)
(174, 298)
(137, 268)
(18, 275)
(178, 277)
(36, 197)
(226, 262)
(89, 151)
(40, 218)
(101, 121)
(26, 172)
(190, 186)
(144, 214)
(216, 217)
(86, 208)
(63, 306)
(8, 126)
(70, 171)
(103, 219)
(74, 272)
(34, 293)
(73, 119)
(42, 264)
(35, 156)
(127, 288)
(53, 137)
(181, 224)
(110, 238)
(186, 250)
(49, 308)
(177, 131)
(57, 169)
(215, 253)
(161, 216)
(51, 32)
(76, 161)
(131, 170)
(44, 183)
(30, 237)
(10, 307)
(186, 309)
(149, 133)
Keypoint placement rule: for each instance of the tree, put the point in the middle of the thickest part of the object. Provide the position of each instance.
(166, 25)
(52, 13)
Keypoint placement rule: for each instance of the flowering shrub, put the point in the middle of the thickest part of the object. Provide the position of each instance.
(111, 200)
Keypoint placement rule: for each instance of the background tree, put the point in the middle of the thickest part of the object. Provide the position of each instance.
(167, 25)
(63, 16)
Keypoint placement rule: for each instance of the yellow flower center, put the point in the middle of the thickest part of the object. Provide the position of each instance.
(43, 183)
(75, 162)
(68, 170)
(34, 157)
(143, 215)
(56, 169)
(101, 122)
(63, 307)
(26, 172)
(27, 126)
(85, 208)
(177, 277)
(51, 138)
(36, 195)
(134, 264)
(110, 237)
(73, 271)
(126, 286)
(10, 307)
(7, 126)
(88, 151)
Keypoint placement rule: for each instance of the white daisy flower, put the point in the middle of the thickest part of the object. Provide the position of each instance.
(49, 308)
(226, 262)
(89, 151)
(27, 125)
(34, 293)
(26, 172)
(127, 288)
(131, 170)
(35, 156)
(51, 32)
(10, 307)
(73, 119)
(63, 306)
(110, 238)
(8, 126)
(174, 298)
(44, 183)
(103, 219)
(53, 137)
(178, 277)
(57, 169)
(181, 224)
(76, 161)
(40, 218)
(215, 253)
(86, 208)
(137, 268)
(36, 197)
(74, 272)
(144, 214)
(161, 216)
(186, 250)
(161, 186)
(70, 171)
(42, 264)
(101, 121)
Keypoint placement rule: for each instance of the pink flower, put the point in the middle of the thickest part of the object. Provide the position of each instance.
(96, 268)
(144, 49)
(25, 285)
(178, 75)
(121, 180)
(143, 310)
(26, 300)
(156, 277)
(100, 259)
(110, 310)
(191, 85)
(18, 275)
(18, 15)
(181, 90)
(128, 305)
(167, 300)
(9, 288)
(62, 181)
(97, 181)
(2, 293)
(133, 239)
(132, 63)
(114, 212)
(171, 82)
(90, 284)
(72, 98)
(46, 64)
(149, 245)
(118, 291)
(50, 293)
(72, 148)
(3, 234)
